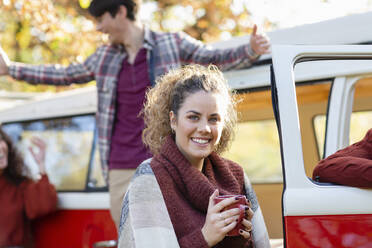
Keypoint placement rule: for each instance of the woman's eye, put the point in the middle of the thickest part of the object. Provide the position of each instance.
(194, 117)
(214, 119)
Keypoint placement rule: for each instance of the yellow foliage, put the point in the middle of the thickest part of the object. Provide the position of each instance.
(84, 3)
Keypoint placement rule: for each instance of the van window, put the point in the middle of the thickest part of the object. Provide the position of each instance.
(70, 150)
(96, 180)
(361, 118)
(256, 148)
(312, 100)
(360, 123)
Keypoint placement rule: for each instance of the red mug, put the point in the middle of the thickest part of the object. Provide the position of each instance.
(241, 203)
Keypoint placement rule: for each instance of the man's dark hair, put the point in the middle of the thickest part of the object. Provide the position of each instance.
(98, 7)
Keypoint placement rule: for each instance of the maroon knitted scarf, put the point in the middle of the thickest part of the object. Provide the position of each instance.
(186, 190)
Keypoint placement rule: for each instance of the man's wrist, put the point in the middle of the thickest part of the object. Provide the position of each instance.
(4, 71)
(251, 53)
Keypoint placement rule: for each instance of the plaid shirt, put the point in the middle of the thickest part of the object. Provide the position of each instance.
(165, 51)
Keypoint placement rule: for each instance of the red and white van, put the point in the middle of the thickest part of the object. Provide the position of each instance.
(322, 214)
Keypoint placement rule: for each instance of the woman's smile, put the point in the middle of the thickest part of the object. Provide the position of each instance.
(201, 141)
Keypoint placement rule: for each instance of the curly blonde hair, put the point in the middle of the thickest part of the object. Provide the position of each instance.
(169, 94)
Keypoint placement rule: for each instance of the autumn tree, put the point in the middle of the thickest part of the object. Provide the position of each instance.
(207, 19)
(45, 31)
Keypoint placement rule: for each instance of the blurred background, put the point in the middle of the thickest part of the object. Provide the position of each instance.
(50, 31)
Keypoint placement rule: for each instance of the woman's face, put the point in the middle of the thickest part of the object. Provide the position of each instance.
(3, 154)
(199, 125)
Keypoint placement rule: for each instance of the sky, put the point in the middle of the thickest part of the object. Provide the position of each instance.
(283, 13)
(290, 13)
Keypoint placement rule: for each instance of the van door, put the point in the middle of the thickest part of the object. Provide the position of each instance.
(320, 215)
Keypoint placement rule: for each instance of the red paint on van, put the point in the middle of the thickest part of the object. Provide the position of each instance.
(73, 229)
(341, 231)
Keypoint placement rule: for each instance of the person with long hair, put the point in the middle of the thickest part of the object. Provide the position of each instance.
(189, 121)
(21, 198)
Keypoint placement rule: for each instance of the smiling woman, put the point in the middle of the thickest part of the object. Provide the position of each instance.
(21, 198)
(170, 96)
(190, 118)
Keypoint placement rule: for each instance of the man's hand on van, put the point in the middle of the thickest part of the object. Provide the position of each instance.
(260, 43)
(4, 62)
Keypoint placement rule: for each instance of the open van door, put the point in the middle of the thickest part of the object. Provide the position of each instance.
(318, 214)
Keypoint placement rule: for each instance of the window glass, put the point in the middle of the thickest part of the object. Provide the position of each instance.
(360, 123)
(312, 101)
(96, 179)
(361, 118)
(319, 128)
(256, 148)
(69, 143)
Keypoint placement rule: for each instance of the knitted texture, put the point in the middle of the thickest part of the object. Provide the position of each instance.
(350, 166)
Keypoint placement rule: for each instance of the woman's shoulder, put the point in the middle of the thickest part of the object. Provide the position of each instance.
(144, 168)
(16, 181)
(138, 216)
(5, 182)
(143, 176)
(41, 179)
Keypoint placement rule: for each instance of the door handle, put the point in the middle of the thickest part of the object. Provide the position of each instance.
(105, 244)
